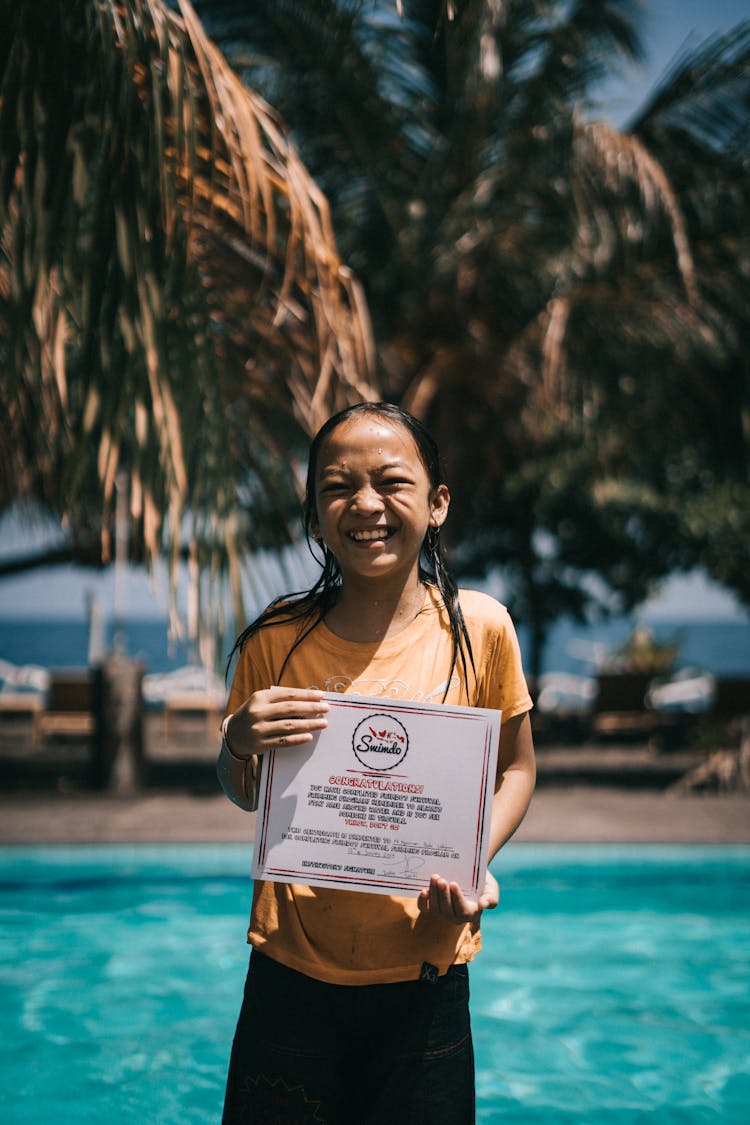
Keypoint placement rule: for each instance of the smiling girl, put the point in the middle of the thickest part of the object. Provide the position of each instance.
(356, 1005)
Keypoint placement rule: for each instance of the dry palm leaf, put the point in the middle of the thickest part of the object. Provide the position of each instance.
(173, 303)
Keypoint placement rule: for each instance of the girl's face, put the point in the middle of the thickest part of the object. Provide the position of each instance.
(373, 499)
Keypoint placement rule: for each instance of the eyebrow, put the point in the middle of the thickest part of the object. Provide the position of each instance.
(390, 467)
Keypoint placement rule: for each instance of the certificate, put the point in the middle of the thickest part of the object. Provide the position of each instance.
(387, 795)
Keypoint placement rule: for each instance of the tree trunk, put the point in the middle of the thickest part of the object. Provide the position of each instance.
(537, 626)
(118, 741)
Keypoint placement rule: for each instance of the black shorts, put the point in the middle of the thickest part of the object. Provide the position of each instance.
(310, 1052)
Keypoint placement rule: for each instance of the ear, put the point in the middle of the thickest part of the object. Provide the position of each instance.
(439, 504)
(315, 528)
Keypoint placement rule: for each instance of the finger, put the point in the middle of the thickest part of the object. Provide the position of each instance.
(298, 724)
(464, 909)
(291, 724)
(288, 718)
(293, 730)
(458, 902)
(300, 695)
(298, 737)
(295, 708)
(439, 894)
(276, 702)
(490, 896)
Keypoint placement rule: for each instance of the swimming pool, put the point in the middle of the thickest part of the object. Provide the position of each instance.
(614, 985)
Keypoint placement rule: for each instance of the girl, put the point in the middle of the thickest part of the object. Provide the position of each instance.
(356, 1005)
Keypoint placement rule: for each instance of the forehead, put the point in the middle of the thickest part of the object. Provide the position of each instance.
(367, 438)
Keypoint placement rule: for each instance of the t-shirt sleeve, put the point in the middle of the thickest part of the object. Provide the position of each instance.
(250, 675)
(502, 681)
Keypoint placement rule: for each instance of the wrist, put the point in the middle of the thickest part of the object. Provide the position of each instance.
(248, 763)
(225, 742)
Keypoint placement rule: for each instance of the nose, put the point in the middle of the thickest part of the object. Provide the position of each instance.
(367, 500)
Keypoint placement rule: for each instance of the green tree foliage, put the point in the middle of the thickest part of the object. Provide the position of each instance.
(566, 304)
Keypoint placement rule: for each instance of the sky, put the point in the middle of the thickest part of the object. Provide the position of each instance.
(63, 591)
(666, 27)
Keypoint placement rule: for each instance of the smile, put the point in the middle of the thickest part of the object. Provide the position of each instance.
(371, 535)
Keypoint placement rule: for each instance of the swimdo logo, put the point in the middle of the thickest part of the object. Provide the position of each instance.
(380, 742)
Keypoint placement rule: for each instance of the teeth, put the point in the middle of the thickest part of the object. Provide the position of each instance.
(370, 535)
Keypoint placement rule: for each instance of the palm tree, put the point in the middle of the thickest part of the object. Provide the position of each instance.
(565, 303)
(175, 312)
(543, 287)
(631, 460)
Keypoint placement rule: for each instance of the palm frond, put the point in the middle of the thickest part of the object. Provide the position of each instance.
(704, 96)
(562, 49)
(173, 299)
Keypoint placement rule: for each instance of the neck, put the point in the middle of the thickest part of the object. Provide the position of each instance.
(365, 613)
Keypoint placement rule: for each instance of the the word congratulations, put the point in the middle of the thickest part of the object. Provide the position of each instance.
(383, 785)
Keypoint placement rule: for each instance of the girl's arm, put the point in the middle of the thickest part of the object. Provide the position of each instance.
(514, 785)
(268, 720)
(515, 780)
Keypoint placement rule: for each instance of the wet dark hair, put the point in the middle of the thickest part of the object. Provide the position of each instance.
(311, 606)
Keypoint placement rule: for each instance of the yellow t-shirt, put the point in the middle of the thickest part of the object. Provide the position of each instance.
(351, 937)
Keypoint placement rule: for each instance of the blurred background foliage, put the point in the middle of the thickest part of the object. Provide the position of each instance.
(566, 304)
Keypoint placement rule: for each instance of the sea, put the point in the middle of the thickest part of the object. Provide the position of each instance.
(721, 647)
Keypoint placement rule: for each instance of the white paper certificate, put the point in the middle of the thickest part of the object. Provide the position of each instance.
(386, 796)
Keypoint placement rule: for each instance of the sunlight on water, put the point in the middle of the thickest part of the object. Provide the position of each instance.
(613, 985)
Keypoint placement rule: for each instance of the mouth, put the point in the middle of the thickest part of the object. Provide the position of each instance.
(371, 534)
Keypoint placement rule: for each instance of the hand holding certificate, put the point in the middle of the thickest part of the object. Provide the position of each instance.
(387, 795)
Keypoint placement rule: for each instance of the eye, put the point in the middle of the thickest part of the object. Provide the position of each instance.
(395, 482)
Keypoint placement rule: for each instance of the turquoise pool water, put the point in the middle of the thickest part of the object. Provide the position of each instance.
(614, 985)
